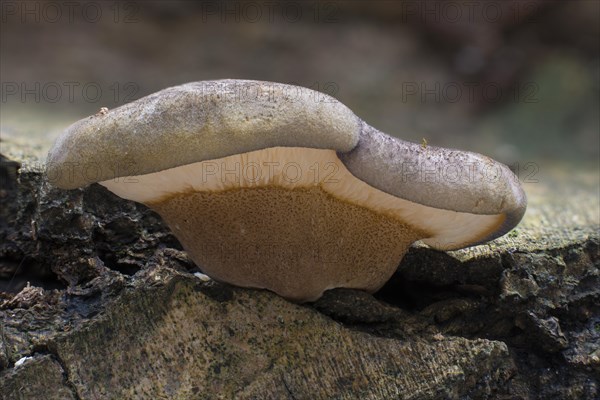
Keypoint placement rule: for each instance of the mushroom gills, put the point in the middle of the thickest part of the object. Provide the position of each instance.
(293, 220)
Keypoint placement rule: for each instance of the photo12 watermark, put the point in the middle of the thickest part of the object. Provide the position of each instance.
(468, 11)
(68, 92)
(271, 11)
(254, 91)
(468, 91)
(69, 12)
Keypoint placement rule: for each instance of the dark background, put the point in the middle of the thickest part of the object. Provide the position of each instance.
(516, 80)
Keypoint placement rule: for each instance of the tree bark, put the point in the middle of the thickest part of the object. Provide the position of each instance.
(98, 300)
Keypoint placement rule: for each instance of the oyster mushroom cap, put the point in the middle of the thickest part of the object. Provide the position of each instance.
(275, 186)
(461, 182)
(194, 122)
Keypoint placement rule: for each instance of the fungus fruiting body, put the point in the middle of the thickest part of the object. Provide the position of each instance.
(275, 186)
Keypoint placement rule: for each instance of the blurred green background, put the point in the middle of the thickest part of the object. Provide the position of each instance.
(516, 80)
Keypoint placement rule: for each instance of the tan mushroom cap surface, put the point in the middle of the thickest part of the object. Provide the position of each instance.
(274, 186)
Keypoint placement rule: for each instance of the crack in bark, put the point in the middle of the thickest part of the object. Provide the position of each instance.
(287, 388)
(54, 354)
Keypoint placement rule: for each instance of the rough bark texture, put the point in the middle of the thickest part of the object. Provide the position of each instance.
(114, 310)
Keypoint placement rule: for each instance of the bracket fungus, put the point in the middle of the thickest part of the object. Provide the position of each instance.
(275, 186)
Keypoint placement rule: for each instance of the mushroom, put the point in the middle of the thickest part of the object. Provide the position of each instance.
(275, 186)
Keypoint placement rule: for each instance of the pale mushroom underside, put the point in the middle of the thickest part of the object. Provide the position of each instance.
(294, 220)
